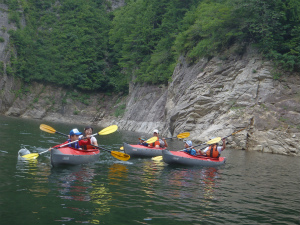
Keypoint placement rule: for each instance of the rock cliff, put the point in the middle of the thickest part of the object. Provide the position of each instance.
(211, 98)
(218, 97)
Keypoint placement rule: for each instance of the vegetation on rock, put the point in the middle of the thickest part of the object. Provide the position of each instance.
(84, 45)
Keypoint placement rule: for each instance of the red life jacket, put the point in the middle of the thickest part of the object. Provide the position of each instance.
(213, 153)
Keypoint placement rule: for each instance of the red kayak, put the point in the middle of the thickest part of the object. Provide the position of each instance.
(72, 156)
(183, 158)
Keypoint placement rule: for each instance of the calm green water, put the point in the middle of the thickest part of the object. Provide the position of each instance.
(251, 188)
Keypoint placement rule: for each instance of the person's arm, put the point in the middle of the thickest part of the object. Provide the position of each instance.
(203, 152)
(166, 144)
(224, 144)
(94, 141)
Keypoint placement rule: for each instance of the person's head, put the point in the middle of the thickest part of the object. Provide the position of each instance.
(142, 139)
(74, 134)
(188, 143)
(155, 133)
(88, 130)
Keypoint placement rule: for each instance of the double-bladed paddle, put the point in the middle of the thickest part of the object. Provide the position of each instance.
(46, 128)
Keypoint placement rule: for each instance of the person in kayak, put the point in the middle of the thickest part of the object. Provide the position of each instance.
(74, 136)
(160, 143)
(189, 148)
(214, 150)
(142, 142)
(87, 132)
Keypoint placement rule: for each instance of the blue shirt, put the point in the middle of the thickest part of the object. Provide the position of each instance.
(191, 151)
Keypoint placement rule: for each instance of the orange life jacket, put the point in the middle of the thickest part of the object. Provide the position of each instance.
(214, 153)
(155, 143)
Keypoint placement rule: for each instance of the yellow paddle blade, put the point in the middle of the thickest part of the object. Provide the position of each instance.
(47, 128)
(108, 130)
(151, 140)
(183, 135)
(214, 141)
(122, 148)
(157, 158)
(120, 155)
(31, 156)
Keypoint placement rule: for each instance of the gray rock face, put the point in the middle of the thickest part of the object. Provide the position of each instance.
(218, 97)
(145, 109)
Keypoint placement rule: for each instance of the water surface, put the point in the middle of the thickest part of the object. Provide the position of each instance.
(251, 188)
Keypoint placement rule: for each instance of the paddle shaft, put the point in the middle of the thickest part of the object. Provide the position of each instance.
(61, 134)
(45, 151)
(170, 137)
(192, 147)
(101, 148)
(227, 136)
(184, 135)
(166, 138)
(234, 133)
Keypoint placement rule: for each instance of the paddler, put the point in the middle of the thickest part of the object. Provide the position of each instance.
(87, 132)
(214, 150)
(74, 136)
(189, 148)
(142, 142)
(160, 143)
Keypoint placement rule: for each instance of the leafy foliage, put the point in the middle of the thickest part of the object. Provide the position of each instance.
(82, 44)
(272, 26)
(65, 43)
(143, 33)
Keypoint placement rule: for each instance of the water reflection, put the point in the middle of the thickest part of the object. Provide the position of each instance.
(81, 184)
(73, 183)
(34, 171)
(209, 177)
(187, 178)
(117, 172)
(191, 190)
